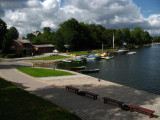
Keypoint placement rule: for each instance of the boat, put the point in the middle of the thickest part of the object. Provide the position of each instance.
(109, 57)
(78, 68)
(89, 70)
(122, 50)
(67, 61)
(93, 57)
(77, 60)
(130, 53)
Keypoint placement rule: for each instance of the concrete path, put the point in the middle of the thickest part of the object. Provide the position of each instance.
(53, 89)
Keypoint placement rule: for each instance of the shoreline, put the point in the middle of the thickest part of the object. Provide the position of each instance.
(53, 89)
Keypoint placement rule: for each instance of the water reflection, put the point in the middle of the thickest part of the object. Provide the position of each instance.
(140, 70)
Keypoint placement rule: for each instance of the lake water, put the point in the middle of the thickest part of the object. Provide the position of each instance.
(140, 70)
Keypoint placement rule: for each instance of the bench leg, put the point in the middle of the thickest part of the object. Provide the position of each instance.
(95, 97)
(105, 101)
(150, 115)
(119, 105)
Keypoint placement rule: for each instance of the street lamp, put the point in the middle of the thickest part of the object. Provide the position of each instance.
(67, 47)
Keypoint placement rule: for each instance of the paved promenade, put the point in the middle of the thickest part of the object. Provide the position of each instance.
(53, 89)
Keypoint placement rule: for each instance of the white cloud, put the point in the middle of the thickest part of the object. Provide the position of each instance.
(30, 15)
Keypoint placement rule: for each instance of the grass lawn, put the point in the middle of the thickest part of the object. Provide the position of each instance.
(51, 57)
(80, 53)
(41, 72)
(17, 104)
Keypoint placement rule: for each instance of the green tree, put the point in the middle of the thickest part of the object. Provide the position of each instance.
(127, 35)
(146, 38)
(107, 37)
(11, 35)
(47, 30)
(71, 34)
(156, 39)
(14, 33)
(137, 35)
(3, 30)
(30, 36)
(119, 38)
(46, 36)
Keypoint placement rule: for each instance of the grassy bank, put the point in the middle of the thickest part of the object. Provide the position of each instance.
(51, 57)
(40, 72)
(17, 104)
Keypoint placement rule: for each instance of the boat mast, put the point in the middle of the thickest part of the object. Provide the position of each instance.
(113, 40)
(102, 47)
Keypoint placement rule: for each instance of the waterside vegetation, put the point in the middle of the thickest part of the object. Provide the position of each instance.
(82, 36)
(51, 57)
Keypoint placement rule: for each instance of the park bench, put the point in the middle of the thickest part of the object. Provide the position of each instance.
(150, 112)
(113, 100)
(90, 94)
(72, 88)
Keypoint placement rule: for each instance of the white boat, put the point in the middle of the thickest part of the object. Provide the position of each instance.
(93, 57)
(130, 53)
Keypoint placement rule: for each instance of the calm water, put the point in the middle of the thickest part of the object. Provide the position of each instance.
(140, 70)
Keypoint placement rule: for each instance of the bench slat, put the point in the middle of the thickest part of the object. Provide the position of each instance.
(90, 93)
(142, 109)
(72, 88)
(113, 100)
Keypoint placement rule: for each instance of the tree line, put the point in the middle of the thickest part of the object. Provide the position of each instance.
(81, 36)
(7, 36)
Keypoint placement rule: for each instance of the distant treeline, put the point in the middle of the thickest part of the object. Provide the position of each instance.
(81, 36)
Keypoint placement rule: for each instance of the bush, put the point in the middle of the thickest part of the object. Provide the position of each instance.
(10, 56)
(2, 55)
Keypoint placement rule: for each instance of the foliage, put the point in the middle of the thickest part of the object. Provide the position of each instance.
(81, 36)
(51, 57)
(17, 104)
(11, 34)
(40, 72)
(14, 33)
(156, 39)
(3, 30)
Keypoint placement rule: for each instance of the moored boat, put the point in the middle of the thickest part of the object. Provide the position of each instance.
(77, 60)
(67, 61)
(89, 70)
(93, 57)
(109, 57)
(78, 68)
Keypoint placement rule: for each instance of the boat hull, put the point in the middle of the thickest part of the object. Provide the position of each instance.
(90, 71)
(78, 68)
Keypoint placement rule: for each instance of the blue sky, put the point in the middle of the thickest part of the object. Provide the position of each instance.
(148, 7)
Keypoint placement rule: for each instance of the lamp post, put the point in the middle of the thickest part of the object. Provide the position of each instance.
(67, 47)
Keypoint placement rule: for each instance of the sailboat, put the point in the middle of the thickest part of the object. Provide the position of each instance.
(122, 50)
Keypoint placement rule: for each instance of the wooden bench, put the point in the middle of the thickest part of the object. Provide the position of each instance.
(150, 112)
(72, 88)
(90, 94)
(113, 100)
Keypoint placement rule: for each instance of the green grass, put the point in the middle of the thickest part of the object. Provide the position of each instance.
(80, 53)
(51, 57)
(40, 72)
(17, 104)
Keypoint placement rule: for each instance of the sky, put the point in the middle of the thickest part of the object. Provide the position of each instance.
(31, 15)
